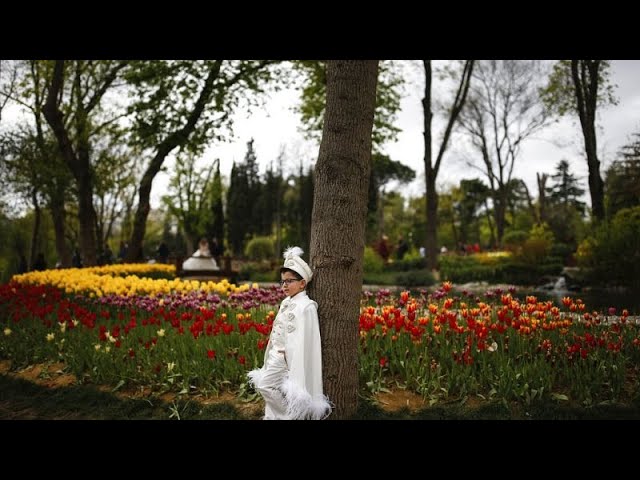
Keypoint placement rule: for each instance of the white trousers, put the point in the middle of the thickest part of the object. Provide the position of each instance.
(270, 386)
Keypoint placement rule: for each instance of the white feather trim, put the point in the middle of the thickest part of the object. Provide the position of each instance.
(300, 405)
(255, 376)
(293, 251)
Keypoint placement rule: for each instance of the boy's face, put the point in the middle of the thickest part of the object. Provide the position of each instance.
(290, 284)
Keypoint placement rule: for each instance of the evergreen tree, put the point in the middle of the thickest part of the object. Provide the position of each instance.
(237, 207)
(566, 189)
(215, 229)
(623, 180)
(268, 204)
(564, 211)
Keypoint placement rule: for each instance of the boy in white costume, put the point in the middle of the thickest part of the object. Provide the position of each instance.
(290, 381)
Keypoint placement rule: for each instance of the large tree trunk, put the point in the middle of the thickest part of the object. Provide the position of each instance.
(338, 224)
(585, 80)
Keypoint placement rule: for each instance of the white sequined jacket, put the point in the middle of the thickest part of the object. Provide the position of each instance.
(302, 386)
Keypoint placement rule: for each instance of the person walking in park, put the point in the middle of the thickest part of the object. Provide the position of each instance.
(162, 253)
(403, 247)
(290, 381)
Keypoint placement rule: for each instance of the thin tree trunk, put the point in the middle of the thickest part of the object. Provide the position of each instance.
(35, 233)
(338, 224)
(431, 170)
(492, 231)
(58, 216)
(542, 197)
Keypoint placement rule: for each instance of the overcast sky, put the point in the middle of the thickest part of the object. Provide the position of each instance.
(276, 126)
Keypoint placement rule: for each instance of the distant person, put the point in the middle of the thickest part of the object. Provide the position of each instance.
(216, 250)
(383, 248)
(201, 258)
(76, 260)
(423, 252)
(163, 253)
(107, 254)
(40, 264)
(122, 252)
(402, 249)
(23, 266)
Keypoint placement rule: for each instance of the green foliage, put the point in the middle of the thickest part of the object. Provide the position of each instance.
(537, 247)
(388, 94)
(260, 248)
(504, 269)
(372, 262)
(561, 250)
(190, 195)
(165, 94)
(612, 254)
(622, 181)
(411, 278)
(415, 278)
(411, 261)
(383, 171)
(514, 238)
(559, 93)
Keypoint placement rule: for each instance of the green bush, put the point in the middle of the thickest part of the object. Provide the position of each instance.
(259, 272)
(372, 262)
(612, 254)
(409, 262)
(514, 238)
(561, 250)
(538, 246)
(412, 278)
(415, 278)
(464, 269)
(260, 248)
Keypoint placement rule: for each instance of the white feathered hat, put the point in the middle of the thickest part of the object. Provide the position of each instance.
(293, 262)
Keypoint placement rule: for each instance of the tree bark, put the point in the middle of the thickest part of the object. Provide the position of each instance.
(585, 79)
(338, 224)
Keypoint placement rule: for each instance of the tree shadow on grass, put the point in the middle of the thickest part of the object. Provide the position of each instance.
(24, 400)
(500, 411)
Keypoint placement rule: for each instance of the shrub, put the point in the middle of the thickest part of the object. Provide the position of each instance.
(415, 278)
(372, 261)
(612, 255)
(514, 239)
(260, 248)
